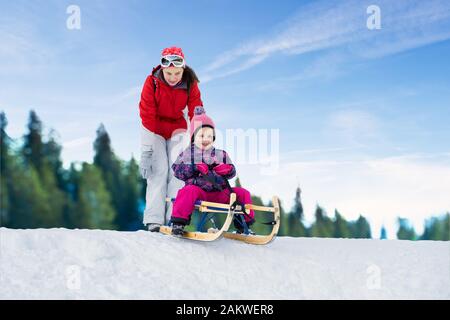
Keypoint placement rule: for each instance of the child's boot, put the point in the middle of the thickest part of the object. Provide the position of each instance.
(178, 229)
(239, 225)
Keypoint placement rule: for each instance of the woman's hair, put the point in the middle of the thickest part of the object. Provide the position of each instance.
(189, 76)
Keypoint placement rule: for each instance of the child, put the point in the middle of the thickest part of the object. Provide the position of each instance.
(167, 91)
(205, 171)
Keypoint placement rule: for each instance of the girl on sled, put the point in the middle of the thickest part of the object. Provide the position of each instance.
(205, 171)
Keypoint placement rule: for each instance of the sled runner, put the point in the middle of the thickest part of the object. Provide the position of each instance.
(233, 210)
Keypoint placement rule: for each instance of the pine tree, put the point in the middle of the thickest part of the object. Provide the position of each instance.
(33, 145)
(405, 230)
(142, 193)
(341, 226)
(323, 226)
(437, 228)
(4, 202)
(383, 233)
(5, 141)
(111, 169)
(430, 230)
(446, 227)
(360, 229)
(45, 159)
(131, 219)
(94, 204)
(298, 206)
(57, 199)
(237, 182)
(295, 217)
(52, 154)
(284, 225)
(30, 204)
(4, 159)
(27, 185)
(71, 218)
(282, 211)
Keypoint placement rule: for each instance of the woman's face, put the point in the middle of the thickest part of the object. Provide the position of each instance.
(173, 75)
(204, 138)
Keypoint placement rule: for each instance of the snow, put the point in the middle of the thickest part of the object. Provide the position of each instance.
(96, 264)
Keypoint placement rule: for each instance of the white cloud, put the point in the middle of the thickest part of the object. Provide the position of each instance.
(77, 143)
(354, 127)
(21, 50)
(382, 189)
(324, 24)
(78, 150)
(129, 97)
(355, 122)
(250, 62)
(325, 67)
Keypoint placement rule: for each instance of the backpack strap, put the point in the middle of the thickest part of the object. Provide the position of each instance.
(155, 84)
(188, 88)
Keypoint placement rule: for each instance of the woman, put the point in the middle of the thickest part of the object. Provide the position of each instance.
(171, 87)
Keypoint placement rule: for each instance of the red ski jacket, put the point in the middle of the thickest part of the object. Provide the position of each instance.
(161, 106)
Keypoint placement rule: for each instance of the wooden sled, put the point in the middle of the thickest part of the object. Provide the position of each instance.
(231, 211)
(205, 236)
(260, 239)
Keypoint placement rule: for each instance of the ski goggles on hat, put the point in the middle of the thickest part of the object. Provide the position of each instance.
(176, 60)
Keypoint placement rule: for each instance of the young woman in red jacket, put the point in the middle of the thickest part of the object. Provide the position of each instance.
(167, 91)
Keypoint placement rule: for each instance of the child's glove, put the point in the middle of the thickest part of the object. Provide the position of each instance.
(203, 168)
(223, 169)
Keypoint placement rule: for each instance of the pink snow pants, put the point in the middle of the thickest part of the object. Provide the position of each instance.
(188, 195)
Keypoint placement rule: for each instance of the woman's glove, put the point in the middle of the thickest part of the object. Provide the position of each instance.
(148, 141)
(223, 169)
(203, 168)
(199, 110)
(145, 166)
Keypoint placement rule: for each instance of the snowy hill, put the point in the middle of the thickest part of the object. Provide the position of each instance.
(93, 264)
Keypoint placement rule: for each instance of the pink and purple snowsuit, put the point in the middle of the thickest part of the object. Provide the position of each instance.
(210, 187)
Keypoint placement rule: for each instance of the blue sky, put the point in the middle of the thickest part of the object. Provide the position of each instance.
(362, 114)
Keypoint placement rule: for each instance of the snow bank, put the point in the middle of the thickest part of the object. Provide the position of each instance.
(94, 264)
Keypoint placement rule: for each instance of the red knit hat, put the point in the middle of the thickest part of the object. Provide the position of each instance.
(199, 121)
(172, 51)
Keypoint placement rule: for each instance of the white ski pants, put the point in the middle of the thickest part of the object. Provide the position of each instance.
(162, 183)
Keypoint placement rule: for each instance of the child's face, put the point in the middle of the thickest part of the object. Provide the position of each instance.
(173, 75)
(204, 138)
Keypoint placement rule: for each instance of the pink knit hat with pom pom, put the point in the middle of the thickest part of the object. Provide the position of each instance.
(200, 120)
